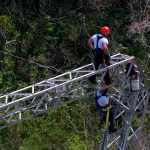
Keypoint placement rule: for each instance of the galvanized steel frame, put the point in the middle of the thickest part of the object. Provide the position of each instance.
(74, 85)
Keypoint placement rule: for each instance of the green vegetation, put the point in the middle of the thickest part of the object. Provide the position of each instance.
(54, 34)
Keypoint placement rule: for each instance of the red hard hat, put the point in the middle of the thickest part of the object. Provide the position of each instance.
(105, 30)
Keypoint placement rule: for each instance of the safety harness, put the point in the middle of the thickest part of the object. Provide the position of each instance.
(98, 38)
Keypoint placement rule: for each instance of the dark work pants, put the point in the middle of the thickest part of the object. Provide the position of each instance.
(101, 58)
(111, 118)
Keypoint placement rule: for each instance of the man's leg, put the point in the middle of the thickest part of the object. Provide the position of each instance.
(111, 121)
(107, 59)
(98, 59)
(107, 77)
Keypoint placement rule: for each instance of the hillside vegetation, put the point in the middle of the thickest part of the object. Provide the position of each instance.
(40, 39)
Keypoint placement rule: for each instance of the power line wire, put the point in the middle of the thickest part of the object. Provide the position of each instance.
(32, 62)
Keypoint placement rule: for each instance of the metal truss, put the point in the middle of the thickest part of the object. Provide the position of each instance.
(74, 85)
(130, 108)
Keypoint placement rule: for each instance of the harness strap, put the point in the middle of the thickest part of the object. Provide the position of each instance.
(107, 116)
(98, 38)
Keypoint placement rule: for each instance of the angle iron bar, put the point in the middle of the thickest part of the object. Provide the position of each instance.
(3, 120)
(116, 55)
(6, 100)
(73, 80)
(19, 110)
(88, 65)
(74, 89)
(124, 118)
(67, 73)
(33, 89)
(13, 113)
(20, 94)
(77, 88)
(72, 83)
(113, 142)
(70, 101)
(119, 102)
(2, 104)
(143, 115)
(102, 78)
(41, 112)
(119, 55)
(130, 120)
(107, 140)
(143, 75)
(82, 71)
(20, 115)
(9, 107)
(13, 93)
(43, 85)
(52, 78)
(48, 82)
(26, 107)
(39, 104)
(140, 102)
(92, 73)
(35, 84)
(134, 133)
(120, 114)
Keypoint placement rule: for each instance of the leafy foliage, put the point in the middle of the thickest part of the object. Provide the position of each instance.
(40, 39)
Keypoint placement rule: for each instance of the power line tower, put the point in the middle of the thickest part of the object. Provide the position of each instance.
(74, 85)
(130, 110)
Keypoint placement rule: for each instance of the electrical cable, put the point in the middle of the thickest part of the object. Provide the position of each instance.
(32, 62)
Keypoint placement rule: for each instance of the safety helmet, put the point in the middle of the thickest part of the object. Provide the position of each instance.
(105, 30)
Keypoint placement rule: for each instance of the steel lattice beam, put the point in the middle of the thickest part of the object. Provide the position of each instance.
(74, 85)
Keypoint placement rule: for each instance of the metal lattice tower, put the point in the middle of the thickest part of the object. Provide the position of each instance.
(74, 85)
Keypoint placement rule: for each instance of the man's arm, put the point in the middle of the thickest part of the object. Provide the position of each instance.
(105, 48)
(90, 43)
